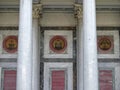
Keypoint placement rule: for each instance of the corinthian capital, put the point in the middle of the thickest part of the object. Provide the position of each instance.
(78, 11)
(37, 10)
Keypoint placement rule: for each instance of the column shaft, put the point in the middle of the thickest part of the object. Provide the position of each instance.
(90, 46)
(36, 56)
(24, 68)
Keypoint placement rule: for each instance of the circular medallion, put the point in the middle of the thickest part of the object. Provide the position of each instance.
(10, 44)
(104, 43)
(58, 44)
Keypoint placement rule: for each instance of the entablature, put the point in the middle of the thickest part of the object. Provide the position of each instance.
(61, 8)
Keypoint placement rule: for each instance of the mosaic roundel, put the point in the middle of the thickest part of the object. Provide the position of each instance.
(58, 44)
(10, 44)
(105, 44)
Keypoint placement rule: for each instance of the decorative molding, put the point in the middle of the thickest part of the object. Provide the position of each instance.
(78, 11)
(7, 74)
(58, 66)
(58, 28)
(61, 28)
(9, 8)
(8, 27)
(106, 79)
(37, 10)
(108, 8)
(107, 28)
(112, 66)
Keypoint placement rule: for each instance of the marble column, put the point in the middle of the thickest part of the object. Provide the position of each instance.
(24, 63)
(80, 46)
(36, 47)
(90, 46)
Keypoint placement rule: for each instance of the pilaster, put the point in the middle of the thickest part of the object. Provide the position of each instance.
(37, 12)
(80, 46)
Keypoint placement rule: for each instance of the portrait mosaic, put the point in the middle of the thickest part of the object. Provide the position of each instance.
(58, 44)
(108, 44)
(8, 43)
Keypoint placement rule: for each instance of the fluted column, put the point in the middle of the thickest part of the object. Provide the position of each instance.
(90, 46)
(80, 46)
(24, 63)
(36, 47)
